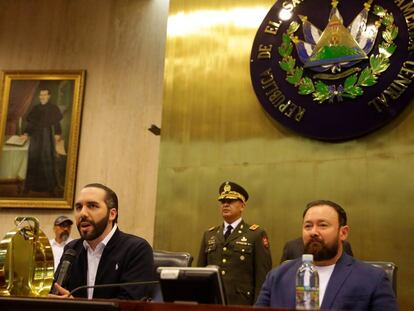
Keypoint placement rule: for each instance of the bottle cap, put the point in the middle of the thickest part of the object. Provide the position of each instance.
(307, 257)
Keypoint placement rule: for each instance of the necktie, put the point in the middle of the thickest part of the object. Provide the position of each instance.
(228, 231)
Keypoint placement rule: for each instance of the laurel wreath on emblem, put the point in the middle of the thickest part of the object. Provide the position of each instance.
(353, 84)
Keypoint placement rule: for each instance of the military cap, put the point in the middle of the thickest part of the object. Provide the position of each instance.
(231, 190)
(61, 219)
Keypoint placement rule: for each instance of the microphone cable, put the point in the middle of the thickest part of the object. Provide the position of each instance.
(109, 285)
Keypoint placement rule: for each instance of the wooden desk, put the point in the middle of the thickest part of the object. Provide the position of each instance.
(157, 306)
(48, 304)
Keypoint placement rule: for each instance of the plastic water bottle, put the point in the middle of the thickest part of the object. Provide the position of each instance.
(307, 285)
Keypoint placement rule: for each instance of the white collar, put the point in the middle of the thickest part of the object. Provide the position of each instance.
(325, 268)
(234, 224)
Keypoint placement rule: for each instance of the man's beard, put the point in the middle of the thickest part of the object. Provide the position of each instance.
(97, 228)
(64, 236)
(320, 250)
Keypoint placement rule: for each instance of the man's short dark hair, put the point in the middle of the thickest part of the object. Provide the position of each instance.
(111, 199)
(341, 212)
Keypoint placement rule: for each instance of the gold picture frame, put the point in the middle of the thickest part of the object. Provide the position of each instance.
(40, 115)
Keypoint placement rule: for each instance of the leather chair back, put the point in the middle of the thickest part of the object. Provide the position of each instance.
(169, 259)
(390, 268)
(172, 259)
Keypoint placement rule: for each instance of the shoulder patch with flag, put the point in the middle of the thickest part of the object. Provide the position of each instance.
(265, 241)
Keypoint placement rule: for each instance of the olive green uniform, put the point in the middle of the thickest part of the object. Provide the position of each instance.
(244, 260)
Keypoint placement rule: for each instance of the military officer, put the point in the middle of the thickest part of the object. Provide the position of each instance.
(240, 250)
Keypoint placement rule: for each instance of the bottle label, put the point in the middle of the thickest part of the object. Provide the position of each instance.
(307, 298)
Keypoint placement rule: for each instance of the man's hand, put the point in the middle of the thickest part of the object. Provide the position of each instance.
(62, 292)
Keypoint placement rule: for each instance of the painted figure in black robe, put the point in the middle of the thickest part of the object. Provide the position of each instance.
(43, 128)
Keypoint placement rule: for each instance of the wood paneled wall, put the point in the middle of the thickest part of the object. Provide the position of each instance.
(120, 43)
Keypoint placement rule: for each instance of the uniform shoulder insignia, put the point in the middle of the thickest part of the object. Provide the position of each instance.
(211, 229)
(254, 227)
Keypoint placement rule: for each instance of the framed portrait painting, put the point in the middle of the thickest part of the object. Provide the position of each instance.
(39, 137)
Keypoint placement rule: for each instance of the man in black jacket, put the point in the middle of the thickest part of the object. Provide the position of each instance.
(44, 129)
(104, 254)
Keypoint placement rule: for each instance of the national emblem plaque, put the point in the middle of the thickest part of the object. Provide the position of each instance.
(334, 70)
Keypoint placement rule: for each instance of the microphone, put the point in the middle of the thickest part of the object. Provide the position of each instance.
(109, 285)
(64, 271)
